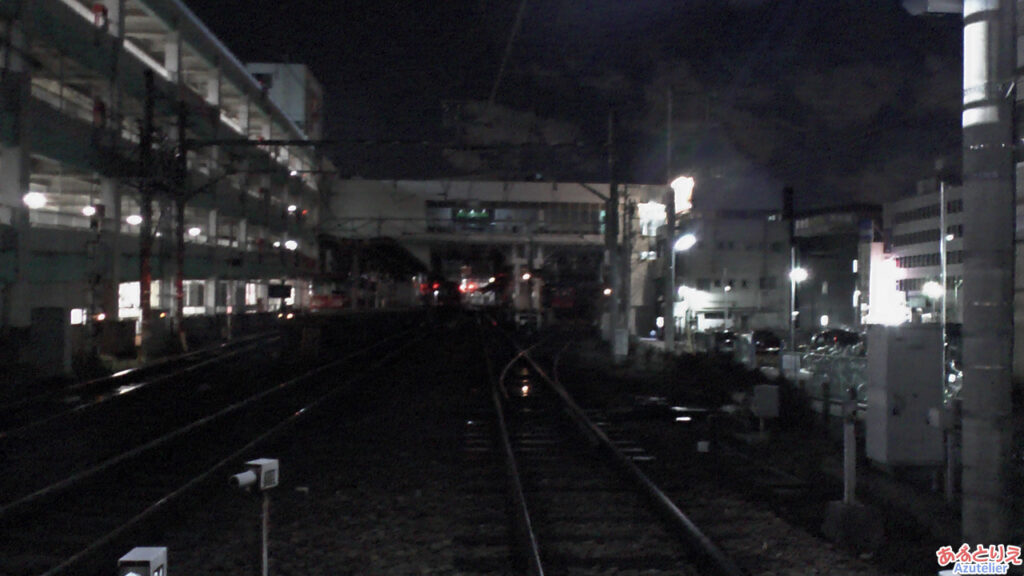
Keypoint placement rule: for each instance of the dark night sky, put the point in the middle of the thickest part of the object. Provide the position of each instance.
(847, 100)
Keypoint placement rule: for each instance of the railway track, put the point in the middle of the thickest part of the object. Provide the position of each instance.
(34, 410)
(579, 503)
(85, 481)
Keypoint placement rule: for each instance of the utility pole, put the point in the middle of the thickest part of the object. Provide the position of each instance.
(669, 273)
(988, 147)
(146, 199)
(180, 197)
(611, 238)
(627, 255)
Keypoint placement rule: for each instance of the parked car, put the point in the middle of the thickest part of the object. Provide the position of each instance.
(765, 341)
(724, 341)
(836, 340)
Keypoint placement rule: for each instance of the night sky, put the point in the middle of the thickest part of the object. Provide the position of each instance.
(846, 100)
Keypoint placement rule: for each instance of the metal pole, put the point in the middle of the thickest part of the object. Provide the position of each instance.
(850, 447)
(670, 224)
(792, 297)
(988, 169)
(181, 176)
(611, 229)
(265, 535)
(146, 201)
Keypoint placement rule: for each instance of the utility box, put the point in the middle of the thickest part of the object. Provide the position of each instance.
(904, 384)
(143, 561)
(765, 402)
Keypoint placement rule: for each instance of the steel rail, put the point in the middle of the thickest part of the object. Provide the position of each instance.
(137, 370)
(195, 481)
(110, 462)
(710, 556)
(104, 399)
(525, 537)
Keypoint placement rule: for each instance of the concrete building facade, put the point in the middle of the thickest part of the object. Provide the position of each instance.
(83, 182)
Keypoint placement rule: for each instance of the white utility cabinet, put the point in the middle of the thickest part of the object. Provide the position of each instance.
(905, 374)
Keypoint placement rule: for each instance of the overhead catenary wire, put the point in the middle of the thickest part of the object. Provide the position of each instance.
(508, 50)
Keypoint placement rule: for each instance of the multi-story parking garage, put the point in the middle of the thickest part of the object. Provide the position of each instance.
(131, 136)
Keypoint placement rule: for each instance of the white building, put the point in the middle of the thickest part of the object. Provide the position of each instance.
(735, 276)
(916, 239)
(75, 96)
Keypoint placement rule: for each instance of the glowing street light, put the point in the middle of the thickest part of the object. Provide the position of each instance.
(89, 211)
(34, 200)
(932, 289)
(685, 242)
(291, 245)
(194, 231)
(796, 276)
(526, 276)
(134, 219)
(683, 189)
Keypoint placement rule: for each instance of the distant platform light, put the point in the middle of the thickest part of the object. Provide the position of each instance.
(134, 219)
(194, 231)
(89, 211)
(34, 200)
(932, 289)
(277, 244)
(291, 245)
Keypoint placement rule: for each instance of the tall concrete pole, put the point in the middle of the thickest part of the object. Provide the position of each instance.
(611, 235)
(989, 66)
(146, 208)
(669, 293)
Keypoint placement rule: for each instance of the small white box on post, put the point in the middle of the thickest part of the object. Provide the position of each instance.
(765, 403)
(144, 561)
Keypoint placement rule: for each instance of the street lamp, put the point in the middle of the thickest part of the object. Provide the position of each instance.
(685, 242)
(680, 199)
(796, 276)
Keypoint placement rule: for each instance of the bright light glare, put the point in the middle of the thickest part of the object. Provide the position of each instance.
(683, 189)
(292, 208)
(134, 219)
(607, 291)
(950, 237)
(491, 280)
(101, 317)
(823, 320)
(294, 172)
(89, 211)
(277, 244)
(659, 321)
(685, 242)
(932, 289)
(525, 390)
(291, 245)
(194, 231)
(798, 275)
(34, 200)
(683, 418)
(526, 276)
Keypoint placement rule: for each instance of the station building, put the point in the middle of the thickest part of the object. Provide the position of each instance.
(131, 139)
